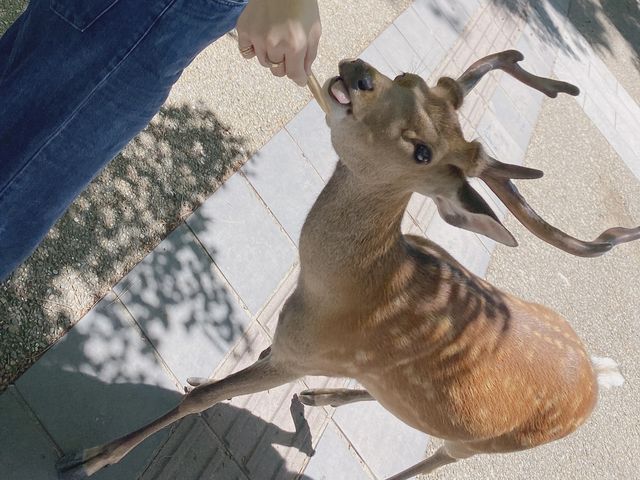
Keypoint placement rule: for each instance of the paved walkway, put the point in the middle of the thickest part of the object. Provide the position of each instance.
(205, 302)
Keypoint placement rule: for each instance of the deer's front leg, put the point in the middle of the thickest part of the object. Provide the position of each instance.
(262, 375)
(333, 396)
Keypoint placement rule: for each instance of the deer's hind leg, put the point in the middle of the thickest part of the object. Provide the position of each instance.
(260, 376)
(450, 452)
(333, 396)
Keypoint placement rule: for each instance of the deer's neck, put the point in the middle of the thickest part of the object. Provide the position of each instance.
(351, 240)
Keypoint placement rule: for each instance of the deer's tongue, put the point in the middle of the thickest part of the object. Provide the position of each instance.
(340, 92)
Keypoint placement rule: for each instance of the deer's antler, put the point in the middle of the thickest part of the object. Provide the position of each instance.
(508, 62)
(498, 175)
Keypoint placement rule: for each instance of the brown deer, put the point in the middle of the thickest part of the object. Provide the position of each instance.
(440, 348)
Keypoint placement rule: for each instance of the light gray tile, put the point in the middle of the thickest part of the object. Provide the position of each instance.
(629, 103)
(438, 21)
(310, 131)
(287, 183)
(408, 225)
(526, 100)
(499, 141)
(600, 76)
(538, 58)
(628, 126)
(422, 209)
(101, 381)
(27, 452)
(373, 57)
(463, 57)
(627, 154)
(183, 305)
(519, 128)
(470, 6)
(192, 452)
(463, 245)
(245, 241)
(333, 459)
(396, 50)
(572, 72)
(428, 52)
(269, 433)
(384, 442)
(454, 12)
(603, 101)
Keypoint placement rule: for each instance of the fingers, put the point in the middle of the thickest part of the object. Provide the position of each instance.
(292, 63)
(245, 46)
(312, 49)
(278, 69)
(295, 67)
(284, 35)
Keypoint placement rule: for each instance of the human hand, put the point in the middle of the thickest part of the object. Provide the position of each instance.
(284, 35)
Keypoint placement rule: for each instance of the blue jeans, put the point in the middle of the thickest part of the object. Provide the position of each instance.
(78, 80)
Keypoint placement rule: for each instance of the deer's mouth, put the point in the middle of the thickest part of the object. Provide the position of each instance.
(339, 91)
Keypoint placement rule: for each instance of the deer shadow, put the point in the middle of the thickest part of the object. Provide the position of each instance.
(104, 379)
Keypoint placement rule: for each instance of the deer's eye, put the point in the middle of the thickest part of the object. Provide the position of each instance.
(422, 153)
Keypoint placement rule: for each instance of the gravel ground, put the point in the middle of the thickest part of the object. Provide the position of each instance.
(9, 10)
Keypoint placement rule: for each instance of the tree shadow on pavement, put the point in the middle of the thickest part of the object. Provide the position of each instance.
(166, 172)
(104, 379)
(587, 16)
(94, 412)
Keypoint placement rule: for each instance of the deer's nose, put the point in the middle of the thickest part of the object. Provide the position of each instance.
(356, 74)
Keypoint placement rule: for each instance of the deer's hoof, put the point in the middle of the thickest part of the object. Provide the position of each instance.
(317, 398)
(71, 467)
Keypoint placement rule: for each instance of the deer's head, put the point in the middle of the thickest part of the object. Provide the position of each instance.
(402, 135)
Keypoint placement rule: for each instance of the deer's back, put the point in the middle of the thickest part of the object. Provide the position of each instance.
(468, 362)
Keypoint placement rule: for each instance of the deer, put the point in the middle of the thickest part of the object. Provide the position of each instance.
(440, 348)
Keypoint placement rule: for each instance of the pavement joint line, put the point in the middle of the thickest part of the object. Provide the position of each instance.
(219, 271)
(304, 154)
(17, 394)
(353, 450)
(257, 317)
(241, 466)
(266, 206)
(316, 442)
(133, 322)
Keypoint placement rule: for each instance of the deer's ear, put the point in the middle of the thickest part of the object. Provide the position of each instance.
(451, 90)
(465, 208)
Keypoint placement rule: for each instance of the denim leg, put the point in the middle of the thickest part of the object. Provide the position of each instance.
(76, 87)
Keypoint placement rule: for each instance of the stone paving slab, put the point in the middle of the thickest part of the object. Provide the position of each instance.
(311, 133)
(334, 459)
(428, 51)
(285, 181)
(27, 450)
(99, 382)
(193, 452)
(372, 430)
(262, 252)
(184, 306)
